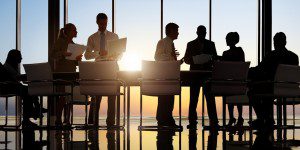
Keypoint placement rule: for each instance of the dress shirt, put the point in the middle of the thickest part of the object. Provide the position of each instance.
(93, 45)
(165, 50)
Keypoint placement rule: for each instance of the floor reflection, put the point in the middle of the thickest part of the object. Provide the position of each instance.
(146, 140)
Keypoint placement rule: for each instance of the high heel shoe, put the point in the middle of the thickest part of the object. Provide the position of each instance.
(240, 122)
(231, 122)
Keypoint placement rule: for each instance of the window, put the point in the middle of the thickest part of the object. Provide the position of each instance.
(236, 16)
(188, 21)
(34, 31)
(8, 28)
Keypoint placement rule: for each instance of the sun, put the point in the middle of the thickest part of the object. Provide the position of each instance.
(130, 62)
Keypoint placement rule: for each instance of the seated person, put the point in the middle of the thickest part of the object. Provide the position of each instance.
(234, 54)
(31, 106)
(266, 70)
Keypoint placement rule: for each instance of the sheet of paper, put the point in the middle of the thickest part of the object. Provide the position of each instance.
(116, 47)
(76, 50)
(201, 59)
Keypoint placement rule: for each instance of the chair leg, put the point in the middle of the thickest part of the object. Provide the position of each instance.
(224, 122)
(124, 106)
(6, 111)
(250, 120)
(141, 107)
(118, 110)
(41, 114)
(86, 103)
(294, 123)
(203, 101)
(180, 110)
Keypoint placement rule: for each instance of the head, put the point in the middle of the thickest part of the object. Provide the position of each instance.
(101, 20)
(68, 31)
(279, 40)
(201, 32)
(172, 30)
(232, 38)
(14, 58)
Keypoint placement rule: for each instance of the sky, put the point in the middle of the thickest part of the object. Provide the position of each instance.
(139, 21)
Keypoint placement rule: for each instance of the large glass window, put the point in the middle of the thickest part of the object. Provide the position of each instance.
(285, 19)
(8, 40)
(34, 31)
(188, 21)
(8, 28)
(236, 16)
(139, 21)
(83, 15)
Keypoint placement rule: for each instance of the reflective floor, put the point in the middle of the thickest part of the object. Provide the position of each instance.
(147, 140)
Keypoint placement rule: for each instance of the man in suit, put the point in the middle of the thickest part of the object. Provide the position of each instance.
(266, 70)
(165, 51)
(197, 47)
(97, 49)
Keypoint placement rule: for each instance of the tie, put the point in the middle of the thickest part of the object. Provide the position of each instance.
(173, 52)
(102, 41)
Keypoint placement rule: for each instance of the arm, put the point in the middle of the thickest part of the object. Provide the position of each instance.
(90, 53)
(188, 58)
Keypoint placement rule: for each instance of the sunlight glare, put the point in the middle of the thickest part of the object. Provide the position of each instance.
(130, 62)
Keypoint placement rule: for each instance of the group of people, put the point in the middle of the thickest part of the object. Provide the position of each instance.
(165, 51)
(265, 70)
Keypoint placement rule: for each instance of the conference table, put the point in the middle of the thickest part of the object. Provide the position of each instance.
(131, 78)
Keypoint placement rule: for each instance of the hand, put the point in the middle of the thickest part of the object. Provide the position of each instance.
(79, 57)
(177, 53)
(67, 54)
(103, 53)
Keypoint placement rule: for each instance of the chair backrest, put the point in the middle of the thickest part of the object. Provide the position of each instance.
(39, 72)
(232, 76)
(160, 69)
(289, 75)
(160, 78)
(224, 70)
(105, 72)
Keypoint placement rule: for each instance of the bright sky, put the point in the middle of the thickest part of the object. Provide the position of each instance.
(139, 21)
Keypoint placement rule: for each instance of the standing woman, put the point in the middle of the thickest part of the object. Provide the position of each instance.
(234, 54)
(61, 64)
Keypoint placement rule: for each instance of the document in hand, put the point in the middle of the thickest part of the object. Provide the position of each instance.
(201, 59)
(76, 50)
(116, 47)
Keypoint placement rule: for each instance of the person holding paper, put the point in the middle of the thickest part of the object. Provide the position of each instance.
(61, 64)
(97, 49)
(165, 51)
(234, 54)
(201, 46)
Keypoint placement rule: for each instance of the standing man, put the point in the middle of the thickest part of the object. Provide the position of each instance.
(96, 49)
(197, 47)
(165, 51)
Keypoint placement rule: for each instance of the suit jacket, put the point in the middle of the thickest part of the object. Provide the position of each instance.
(266, 69)
(193, 49)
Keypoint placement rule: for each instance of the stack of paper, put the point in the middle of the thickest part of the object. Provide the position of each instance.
(76, 50)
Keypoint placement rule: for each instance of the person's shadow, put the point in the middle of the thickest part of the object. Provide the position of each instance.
(165, 140)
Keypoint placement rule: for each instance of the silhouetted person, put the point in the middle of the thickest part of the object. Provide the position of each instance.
(266, 70)
(193, 139)
(165, 139)
(93, 137)
(165, 51)
(97, 49)
(234, 54)
(197, 47)
(212, 140)
(31, 106)
(61, 64)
